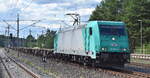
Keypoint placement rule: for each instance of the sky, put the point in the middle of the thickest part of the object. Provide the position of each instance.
(50, 12)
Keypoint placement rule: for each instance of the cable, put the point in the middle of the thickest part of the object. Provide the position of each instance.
(12, 6)
(9, 25)
(27, 6)
(17, 1)
(31, 24)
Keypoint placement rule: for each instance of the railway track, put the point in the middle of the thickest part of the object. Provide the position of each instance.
(25, 69)
(133, 74)
(15, 69)
(140, 65)
(121, 72)
(117, 71)
(5, 67)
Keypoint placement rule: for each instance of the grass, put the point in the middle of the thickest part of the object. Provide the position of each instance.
(140, 61)
(42, 69)
(46, 71)
(146, 49)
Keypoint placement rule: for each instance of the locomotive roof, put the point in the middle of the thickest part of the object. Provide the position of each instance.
(71, 28)
(98, 22)
(110, 22)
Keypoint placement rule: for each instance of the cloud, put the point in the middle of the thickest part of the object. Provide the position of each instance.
(51, 12)
(3, 8)
(85, 11)
(5, 5)
(50, 1)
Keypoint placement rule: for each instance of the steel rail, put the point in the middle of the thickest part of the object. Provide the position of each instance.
(24, 68)
(8, 72)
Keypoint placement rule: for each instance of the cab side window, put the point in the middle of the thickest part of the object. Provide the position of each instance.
(90, 31)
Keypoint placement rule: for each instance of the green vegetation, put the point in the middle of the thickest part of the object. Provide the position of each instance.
(146, 49)
(30, 41)
(6, 41)
(43, 41)
(30, 63)
(3, 40)
(142, 61)
(129, 11)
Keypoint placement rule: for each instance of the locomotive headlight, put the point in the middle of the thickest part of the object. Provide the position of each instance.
(124, 49)
(103, 48)
(113, 38)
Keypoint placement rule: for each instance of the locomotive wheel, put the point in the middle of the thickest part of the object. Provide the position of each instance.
(85, 61)
(93, 64)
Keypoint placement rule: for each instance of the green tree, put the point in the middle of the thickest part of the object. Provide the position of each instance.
(129, 11)
(3, 40)
(108, 10)
(49, 39)
(46, 40)
(30, 41)
(41, 41)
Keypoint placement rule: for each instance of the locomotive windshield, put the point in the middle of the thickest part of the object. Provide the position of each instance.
(112, 30)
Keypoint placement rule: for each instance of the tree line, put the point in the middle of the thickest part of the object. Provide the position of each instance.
(128, 11)
(43, 41)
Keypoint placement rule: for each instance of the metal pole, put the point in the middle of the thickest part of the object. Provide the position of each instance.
(141, 37)
(79, 20)
(18, 32)
(6, 37)
(8, 29)
(18, 26)
(8, 45)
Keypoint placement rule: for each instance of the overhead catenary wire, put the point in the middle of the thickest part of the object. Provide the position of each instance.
(27, 6)
(9, 24)
(17, 1)
(16, 5)
(18, 20)
(13, 6)
(31, 24)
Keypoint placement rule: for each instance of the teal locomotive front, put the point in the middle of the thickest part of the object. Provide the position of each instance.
(108, 40)
(113, 38)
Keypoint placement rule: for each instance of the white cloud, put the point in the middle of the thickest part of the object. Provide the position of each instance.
(53, 13)
(5, 5)
(48, 25)
(65, 4)
(50, 6)
(3, 8)
(85, 11)
(86, 2)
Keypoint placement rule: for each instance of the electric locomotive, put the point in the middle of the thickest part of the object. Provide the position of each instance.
(98, 42)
